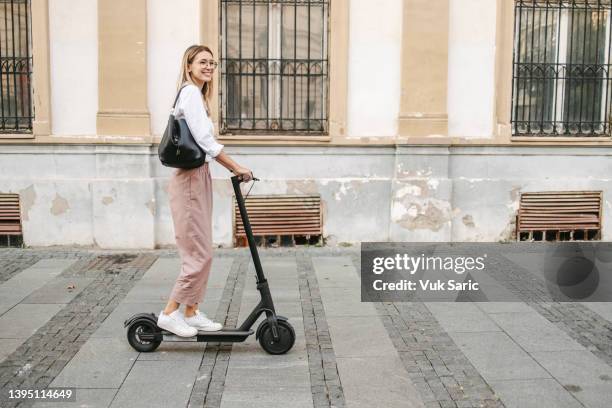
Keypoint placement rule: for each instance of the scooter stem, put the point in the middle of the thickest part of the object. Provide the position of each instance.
(236, 180)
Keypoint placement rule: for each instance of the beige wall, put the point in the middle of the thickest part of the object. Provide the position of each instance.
(122, 70)
(424, 69)
(123, 82)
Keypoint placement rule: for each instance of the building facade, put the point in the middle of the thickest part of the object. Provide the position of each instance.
(413, 120)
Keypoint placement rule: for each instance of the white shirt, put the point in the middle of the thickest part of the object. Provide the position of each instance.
(190, 106)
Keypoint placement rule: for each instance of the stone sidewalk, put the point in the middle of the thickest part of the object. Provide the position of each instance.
(61, 325)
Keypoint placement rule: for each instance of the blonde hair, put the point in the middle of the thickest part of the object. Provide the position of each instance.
(185, 76)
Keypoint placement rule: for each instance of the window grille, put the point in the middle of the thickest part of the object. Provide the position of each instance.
(274, 68)
(15, 67)
(561, 68)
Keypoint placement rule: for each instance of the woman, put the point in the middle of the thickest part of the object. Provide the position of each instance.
(190, 196)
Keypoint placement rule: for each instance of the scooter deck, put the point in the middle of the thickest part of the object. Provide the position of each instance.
(227, 335)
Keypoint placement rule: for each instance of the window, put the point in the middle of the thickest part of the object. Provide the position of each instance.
(561, 69)
(274, 70)
(15, 67)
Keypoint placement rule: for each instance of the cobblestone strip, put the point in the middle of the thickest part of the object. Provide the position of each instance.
(11, 267)
(36, 363)
(14, 261)
(210, 381)
(581, 323)
(439, 370)
(324, 379)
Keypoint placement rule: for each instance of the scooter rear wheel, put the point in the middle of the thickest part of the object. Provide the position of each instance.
(285, 341)
(139, 328)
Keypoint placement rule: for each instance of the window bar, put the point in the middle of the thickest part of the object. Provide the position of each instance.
(295, 111)
(583, 69)
(536, 72)
(2, 59)
(596, 72)
(294, 64)
(254, 70)
(545, 71)
(563, 71)
(308, 75)
(281, 67)
(269, 72)
(531, 65)
(19, 101)
(29, 69)
(323, 53)
(515, 61)
(525, 83)
(6, 69)
(14, 70)
(277, 61)
(240, 63)
(274, 38)
(606, 71)
(568, 74)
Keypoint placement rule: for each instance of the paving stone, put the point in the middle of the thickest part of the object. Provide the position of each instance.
(579, 368)
(376, 381)
(85, 398)
(461, 317)
(497, 357)
(279, 397)
(58, 290)
(534, 393)
(24, 320)
(157, 384)
(100, 363)
(29, 280)
(534, 333)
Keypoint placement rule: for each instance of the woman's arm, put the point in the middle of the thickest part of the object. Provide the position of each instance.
(192, 105)
(193, 109)
(226, 161)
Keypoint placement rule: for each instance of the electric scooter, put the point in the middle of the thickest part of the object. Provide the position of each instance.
(275, 333)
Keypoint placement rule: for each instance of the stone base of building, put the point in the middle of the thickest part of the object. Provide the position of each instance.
(111, 196)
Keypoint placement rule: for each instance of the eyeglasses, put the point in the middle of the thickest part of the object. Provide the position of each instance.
(210, 64)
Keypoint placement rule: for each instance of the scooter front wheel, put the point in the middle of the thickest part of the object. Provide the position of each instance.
(141, 335)
(286, 337)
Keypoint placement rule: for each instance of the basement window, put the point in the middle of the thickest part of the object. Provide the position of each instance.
(560, 216)
(281, 220)
(11, 234)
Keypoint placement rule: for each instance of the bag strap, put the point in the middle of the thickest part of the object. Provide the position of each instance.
(179, 94)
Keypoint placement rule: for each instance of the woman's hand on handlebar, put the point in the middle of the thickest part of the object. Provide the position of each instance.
(244, 173)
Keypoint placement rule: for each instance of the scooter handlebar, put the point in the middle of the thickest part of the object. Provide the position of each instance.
(238, 179)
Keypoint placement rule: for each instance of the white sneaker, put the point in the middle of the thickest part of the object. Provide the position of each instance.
(199, 321)
(175, 323)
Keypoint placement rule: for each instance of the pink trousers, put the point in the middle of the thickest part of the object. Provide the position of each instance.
(190, 196)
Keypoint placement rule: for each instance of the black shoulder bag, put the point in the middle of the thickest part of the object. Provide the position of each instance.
(178, 148)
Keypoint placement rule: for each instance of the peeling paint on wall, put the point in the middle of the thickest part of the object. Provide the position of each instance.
(106, 200)
(430, 215)
(401, 173)
(416, 188)
(425, 217)
(468, 221)
(302, 187)
(508, 233)
(343, 187)
(28, 198)
(59, 205)
(410, 189)
(151, 206)
(515, 193)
